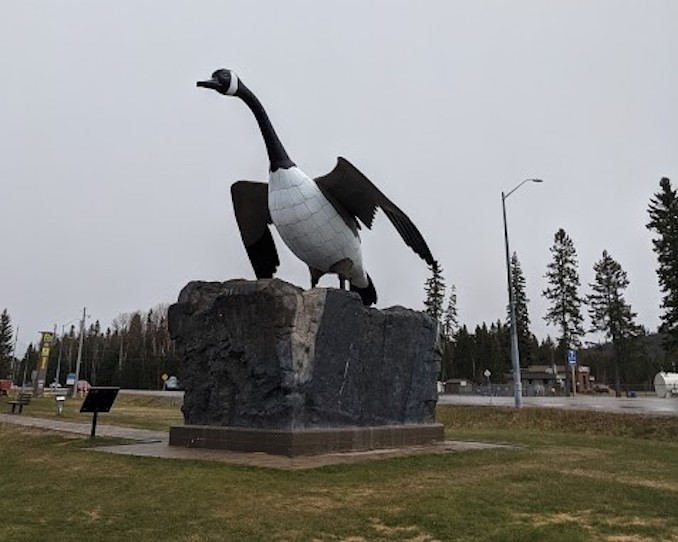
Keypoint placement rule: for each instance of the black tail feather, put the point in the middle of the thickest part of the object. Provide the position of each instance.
(367, 294)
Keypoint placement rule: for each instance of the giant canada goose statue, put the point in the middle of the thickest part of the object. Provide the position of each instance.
(317, 219)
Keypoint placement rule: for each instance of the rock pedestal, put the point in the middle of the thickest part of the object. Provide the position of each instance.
(267, 362)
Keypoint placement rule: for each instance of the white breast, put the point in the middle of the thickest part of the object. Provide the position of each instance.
(309, 224)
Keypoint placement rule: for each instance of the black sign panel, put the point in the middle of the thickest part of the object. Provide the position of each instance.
(99, 399)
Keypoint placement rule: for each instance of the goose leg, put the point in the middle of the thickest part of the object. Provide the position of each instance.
(315, 276)
(342, 268)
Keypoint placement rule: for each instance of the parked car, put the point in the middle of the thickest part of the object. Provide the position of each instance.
(600, 388)
(83, 386)
(5, 386)
(172, 384)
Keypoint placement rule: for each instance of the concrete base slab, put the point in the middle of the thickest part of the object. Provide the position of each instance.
(298, 442)
(259, 459)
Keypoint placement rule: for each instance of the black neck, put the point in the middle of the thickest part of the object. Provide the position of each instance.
(277, 156)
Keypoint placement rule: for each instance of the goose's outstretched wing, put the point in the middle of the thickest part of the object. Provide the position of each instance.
(346, 187)
(250, 203)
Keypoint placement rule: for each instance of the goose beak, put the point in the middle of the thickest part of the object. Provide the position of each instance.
(208, 84)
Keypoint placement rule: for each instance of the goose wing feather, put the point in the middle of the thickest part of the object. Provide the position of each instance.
(356, 194)
(250, 203)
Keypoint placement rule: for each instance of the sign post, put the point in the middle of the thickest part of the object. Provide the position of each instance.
(46, 339)
(487, 374)
(572, 362)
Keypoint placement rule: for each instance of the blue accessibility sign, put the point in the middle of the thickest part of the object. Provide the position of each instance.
(572, 357)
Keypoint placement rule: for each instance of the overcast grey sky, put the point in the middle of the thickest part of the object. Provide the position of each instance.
(115, 169)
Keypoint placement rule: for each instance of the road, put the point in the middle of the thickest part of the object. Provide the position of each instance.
(153, 393)
(639, 405)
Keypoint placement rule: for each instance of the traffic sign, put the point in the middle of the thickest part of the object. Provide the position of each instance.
(572, 357)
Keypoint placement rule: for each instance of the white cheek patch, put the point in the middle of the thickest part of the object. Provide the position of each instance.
(233, 86)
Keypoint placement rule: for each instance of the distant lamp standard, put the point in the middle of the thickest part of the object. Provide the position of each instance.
(79, 360)
(14, 365)
(515, 355)
(61, 350)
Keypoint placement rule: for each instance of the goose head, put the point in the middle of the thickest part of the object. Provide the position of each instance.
(223, 81)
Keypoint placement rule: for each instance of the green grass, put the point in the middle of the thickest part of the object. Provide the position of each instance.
(509, 423)
(138, 411)
(573, 476)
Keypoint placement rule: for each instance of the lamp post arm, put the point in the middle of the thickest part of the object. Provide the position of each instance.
(503, 197)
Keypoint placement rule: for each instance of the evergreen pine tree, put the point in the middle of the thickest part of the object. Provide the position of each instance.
(522, 317)
(28, 364)
(663, 211)
(486, 348)
(6, 335)
(450, 326)
(435, 293)
(135, 364)
(545, 352)
(563, 277)
(464, 355)
(451, 318)
(609, 311)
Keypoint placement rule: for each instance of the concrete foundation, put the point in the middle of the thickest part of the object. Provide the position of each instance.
(299, 442)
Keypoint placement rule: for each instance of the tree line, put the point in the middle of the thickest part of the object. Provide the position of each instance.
(629, 355)
(135, 351)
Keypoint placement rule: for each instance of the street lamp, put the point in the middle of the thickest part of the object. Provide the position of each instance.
(61, 349)
(79, 360)
(515, 355)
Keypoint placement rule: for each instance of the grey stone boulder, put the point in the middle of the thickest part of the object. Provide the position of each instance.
(267, 354)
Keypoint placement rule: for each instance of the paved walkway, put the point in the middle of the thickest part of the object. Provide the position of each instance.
(86, 428)
(156, 444)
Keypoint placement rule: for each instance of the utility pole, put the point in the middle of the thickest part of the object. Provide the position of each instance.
(61, 350)
(120, 352)
(79, 360)
(54, 338)
(14, 365)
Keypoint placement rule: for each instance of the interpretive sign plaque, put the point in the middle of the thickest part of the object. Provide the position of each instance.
(99, 399)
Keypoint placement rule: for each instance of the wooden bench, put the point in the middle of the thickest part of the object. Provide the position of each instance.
(23, 399)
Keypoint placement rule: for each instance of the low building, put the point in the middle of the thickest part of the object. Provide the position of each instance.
(553, 379)
(459, 386)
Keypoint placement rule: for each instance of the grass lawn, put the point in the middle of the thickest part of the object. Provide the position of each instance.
(138, 411)
(573, 476)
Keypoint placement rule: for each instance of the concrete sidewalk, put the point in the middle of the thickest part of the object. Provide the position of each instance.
(86, 428)
(156, 444)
